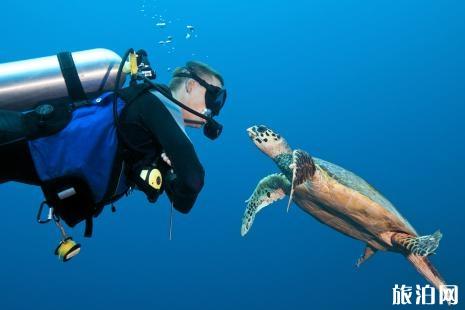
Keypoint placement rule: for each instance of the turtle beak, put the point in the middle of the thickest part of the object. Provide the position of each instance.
(252, 132)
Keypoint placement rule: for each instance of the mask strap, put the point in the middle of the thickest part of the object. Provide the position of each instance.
(185, 107)
(193, 122)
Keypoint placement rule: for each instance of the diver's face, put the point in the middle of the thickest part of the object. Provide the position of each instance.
(269, 142)
(194, 97)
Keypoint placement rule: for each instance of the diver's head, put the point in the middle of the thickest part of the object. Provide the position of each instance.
(269, 142)
(199, 87)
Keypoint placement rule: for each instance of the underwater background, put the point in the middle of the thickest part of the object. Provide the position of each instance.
(377, 87)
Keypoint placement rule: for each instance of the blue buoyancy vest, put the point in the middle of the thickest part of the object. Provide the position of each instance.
(86, 148)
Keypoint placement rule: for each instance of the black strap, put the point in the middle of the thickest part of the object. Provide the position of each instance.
(72, 81)
(89, 227)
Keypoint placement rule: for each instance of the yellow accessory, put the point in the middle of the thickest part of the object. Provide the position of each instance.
(130, 67)
(67, 249)
(133, 62)
(152, 177)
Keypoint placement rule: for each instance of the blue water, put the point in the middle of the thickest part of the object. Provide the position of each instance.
(377, 87)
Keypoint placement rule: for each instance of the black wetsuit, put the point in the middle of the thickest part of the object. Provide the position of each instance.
(148, 125)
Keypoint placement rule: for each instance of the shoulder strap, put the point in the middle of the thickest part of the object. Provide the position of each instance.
(129, 95)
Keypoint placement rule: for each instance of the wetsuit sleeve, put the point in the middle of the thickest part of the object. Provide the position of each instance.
(183, 189)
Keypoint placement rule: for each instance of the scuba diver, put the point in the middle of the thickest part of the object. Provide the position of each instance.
(87, 146)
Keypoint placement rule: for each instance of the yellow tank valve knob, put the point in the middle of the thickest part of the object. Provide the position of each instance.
(133, 63)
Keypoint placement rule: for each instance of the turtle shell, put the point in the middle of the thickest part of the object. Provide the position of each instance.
(353, 181)
(345, 181)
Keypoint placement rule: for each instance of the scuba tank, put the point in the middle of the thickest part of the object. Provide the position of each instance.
(28, 83)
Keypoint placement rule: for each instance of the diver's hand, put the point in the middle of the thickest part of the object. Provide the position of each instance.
(166, 159)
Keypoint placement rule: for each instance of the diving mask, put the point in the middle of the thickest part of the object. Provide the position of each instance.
(215, 97)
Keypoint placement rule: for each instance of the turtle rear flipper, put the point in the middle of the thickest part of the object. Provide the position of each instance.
(423, 265)
(303, 168)
(417, 250)
(421, 246)
(369, 251)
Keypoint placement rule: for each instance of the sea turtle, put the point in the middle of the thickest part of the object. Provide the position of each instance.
(340, 199)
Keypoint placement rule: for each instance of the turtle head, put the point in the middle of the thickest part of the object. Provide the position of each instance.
(269, 142)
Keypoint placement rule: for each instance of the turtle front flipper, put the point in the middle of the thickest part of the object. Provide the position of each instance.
(268, 190)
(303, 168)
(421, 246)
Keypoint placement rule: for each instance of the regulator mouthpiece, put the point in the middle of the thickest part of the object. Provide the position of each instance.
(212, 129)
